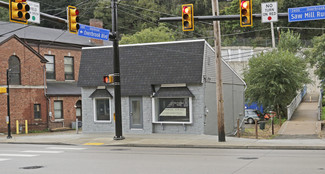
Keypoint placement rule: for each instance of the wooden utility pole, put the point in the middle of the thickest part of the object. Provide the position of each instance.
(217, 46)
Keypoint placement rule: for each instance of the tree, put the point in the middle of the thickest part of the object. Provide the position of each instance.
(316, 55)
(290, 41)
(160, 34)
(273, 78)
(4, 13)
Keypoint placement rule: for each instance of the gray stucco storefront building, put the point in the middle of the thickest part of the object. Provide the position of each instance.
(166, 87)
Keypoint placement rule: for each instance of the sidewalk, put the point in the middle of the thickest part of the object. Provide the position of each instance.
(163, 140)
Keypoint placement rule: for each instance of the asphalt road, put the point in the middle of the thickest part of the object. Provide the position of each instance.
(48, 159)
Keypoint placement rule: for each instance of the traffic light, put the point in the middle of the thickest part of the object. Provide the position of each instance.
(73, 19)
(108, 79)
(246, 13)
(18, 11)
(187, 17)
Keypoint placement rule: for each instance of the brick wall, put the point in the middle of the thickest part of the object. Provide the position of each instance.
(59, 54)
(69, 111)
(30, 92)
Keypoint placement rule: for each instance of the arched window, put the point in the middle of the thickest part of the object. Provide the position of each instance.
(78, 110)
(14, 73)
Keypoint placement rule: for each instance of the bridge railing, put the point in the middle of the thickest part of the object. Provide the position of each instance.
(295, 102)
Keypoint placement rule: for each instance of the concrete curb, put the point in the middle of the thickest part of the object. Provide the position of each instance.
(224, 146)
(260, 147)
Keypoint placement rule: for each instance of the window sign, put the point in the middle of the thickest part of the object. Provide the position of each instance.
(170, 112)
(173, 109)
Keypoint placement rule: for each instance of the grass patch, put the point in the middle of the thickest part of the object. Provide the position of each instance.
(262, 134)
(39, 131)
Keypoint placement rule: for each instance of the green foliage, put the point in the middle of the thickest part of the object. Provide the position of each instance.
(316, 55)
(275, 77)
(4, 13)
(38, 131)
(160, 34)
(276, 120)
(290, 41)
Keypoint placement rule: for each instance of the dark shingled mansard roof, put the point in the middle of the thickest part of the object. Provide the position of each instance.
(143, 65)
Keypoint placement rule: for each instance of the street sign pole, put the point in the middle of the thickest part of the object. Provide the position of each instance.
(269, 11)
(117, 84)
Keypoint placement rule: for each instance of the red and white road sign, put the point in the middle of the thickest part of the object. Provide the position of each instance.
(269, 12)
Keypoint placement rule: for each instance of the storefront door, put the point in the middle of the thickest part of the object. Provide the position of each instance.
(136, 118)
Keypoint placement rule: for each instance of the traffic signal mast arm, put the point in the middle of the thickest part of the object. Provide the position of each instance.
(217, 18)
(53, 18)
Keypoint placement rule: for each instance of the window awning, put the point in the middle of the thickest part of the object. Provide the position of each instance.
(100, 93)
(170, 92)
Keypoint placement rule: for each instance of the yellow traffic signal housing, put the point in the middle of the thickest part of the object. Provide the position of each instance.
(18, 11)
(187, 17)
(246, 13)
(73, 19)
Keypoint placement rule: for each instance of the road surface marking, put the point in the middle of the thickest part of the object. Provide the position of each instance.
(93, 144)
(19, 155)
(66, 148)
(3, 159)
(35, 151)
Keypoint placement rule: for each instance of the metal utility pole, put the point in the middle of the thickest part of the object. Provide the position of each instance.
(273, 37)
(217, 45)
(117, 84)
(8, 107)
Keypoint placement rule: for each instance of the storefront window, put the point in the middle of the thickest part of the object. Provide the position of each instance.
(173, 110)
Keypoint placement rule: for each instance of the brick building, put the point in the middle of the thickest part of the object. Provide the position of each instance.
(44, 69)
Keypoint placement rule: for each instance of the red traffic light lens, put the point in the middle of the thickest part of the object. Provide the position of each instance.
(186, 9)
(77, 12)
(244, 4)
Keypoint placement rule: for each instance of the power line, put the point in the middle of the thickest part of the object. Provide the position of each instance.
(159, 12)
(156, 22)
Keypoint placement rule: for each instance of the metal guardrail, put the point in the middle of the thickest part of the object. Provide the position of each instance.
(320, 105)
(295, 102)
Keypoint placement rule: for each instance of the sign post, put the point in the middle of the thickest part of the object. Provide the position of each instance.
(269, 12)
(270, 15)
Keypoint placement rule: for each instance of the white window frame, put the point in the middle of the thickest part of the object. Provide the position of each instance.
(95, 109)
(54, 72)
(155, 118)
(73, 73)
